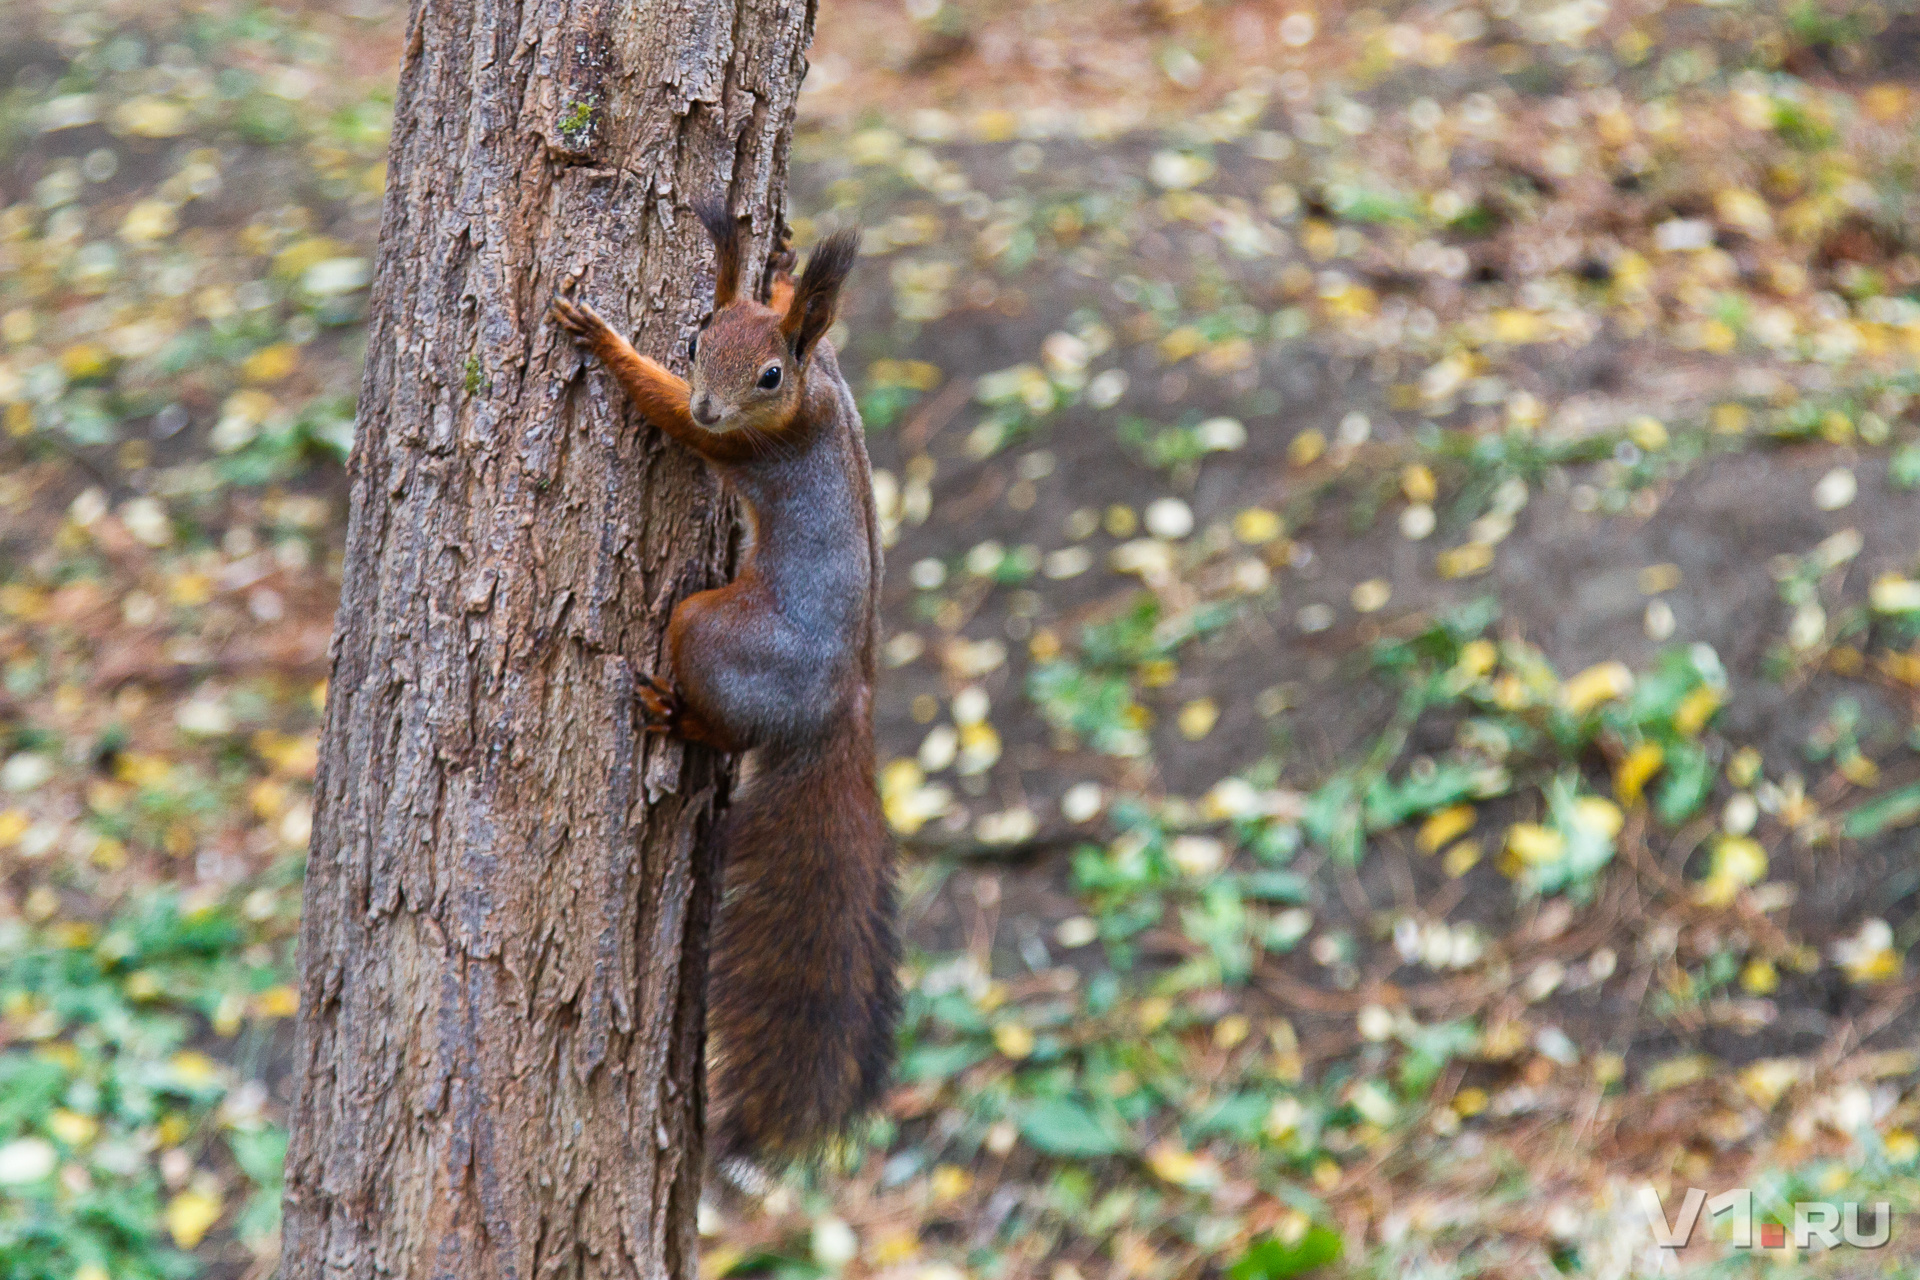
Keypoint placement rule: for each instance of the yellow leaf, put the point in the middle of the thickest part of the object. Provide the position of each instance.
(1465, 560)
(1444, 827)
(1598, 815)
(1892, 593)
(1767, 1080)
(1533, 844)
(22, 601)
(1228, 356)
(1283, 1118)
(1656, 578)
(190, 589)
(1477, 658)
(1417, 483)
(281, 1001)
(72, 935)
(297, 258)
(1859, 770)
(1180, 1167)
(950, 1182)
(1729, 419)
(1257, 526)
(85, 360)
(1231, 1031)
(271, 364)
(1715, 336)
(1885, 101)
(152, 118)
(906, 799)
(1181, 343)
(1197, 855)
(13, 825)
(1319, 239)
(191, 1214)
(1691, 716)
(194, 1069)
(1649, 433)
(1013, 1040)
(915, 375)
(1602, 682)
(1372, 595)
(1738, 862)
(1305, 449)
(1512, 325)
(1639, 765)
(1461, 858)
(71, 1127)
(1740, 858)
(1744, 211)
(1198, 717)
(149, 220)
(1674, 1072)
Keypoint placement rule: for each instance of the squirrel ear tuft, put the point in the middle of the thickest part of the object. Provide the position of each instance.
(816, 295)
(726, 249)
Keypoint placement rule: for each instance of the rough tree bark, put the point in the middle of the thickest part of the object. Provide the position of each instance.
(503, 952)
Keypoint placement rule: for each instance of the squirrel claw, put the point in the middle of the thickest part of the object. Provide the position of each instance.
(660, 706)
(576, 318)
(665, 712)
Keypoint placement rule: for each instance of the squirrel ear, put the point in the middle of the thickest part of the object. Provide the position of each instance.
(776, 278)
(817, 293)
(726, 250)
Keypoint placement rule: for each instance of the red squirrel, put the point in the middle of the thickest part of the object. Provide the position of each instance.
(779, 664)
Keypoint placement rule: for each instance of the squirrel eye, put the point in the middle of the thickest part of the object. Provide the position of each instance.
(770, 377)
(693, 348)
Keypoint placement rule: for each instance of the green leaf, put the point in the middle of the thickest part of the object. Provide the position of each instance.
(1243, 1116)
(1061, 1127)
(1332, 818)
(938, 1061)
(1894, 809)
(261, 1153)
(1269, 1259)
(1689, 777)
(1904, 470)
(1275, 886)
(1391, 803)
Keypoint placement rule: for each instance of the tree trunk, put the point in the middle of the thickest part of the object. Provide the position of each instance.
(503, 954)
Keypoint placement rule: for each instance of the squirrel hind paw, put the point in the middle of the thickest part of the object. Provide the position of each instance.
(660, 707)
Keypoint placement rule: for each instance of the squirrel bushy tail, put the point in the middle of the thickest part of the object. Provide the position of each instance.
(803, 987)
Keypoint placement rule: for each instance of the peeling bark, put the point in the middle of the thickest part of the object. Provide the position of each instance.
(503, 952)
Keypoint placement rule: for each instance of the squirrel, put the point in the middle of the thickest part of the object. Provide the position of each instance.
(779, 664)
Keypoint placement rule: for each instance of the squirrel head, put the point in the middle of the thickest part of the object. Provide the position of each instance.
(749, 361)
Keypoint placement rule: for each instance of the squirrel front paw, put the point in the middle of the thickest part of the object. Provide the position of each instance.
(577, 318)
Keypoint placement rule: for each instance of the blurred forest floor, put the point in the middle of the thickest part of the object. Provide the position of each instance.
(1403, 677)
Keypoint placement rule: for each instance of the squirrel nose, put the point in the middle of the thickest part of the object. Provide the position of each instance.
(705, 411)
